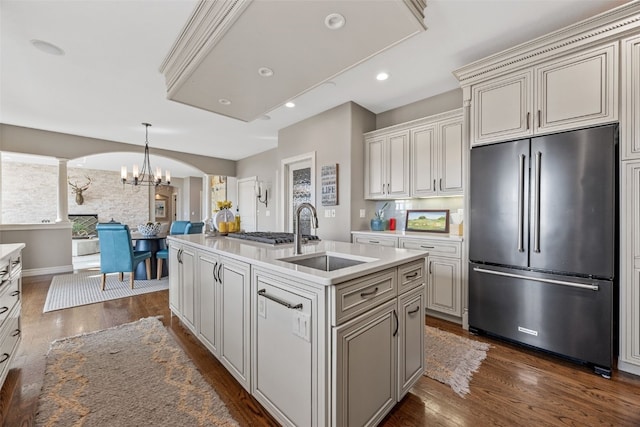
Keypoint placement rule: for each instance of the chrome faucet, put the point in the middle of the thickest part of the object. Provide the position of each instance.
(297, 234)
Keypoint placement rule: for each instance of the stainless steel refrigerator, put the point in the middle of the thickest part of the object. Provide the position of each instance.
(542, 243)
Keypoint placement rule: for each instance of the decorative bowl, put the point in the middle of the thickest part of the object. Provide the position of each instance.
(149, 229)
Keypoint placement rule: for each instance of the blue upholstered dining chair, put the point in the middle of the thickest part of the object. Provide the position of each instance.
(194, 228)
(116, 253)
(177, 227)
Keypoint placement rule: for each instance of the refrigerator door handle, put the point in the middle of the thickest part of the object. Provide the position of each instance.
(539, 279)
(521, 203)
(536, 204)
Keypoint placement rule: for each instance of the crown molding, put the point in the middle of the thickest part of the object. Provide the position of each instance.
(209, 22)
(609, 25)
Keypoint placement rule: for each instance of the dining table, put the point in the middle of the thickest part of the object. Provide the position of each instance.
(152, 244)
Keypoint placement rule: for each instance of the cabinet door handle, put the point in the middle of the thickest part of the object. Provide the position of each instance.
(5, 356)
(539, 118)
(417, 309)
(15, 333)
(15, 293)
(528, 120)
(412, 276)
(4, 310)
(395, 315)
(429, 267)
(219, 275)
(215, 278)
(368, 294)
(434, 185)
(440, 184)
(264, 293)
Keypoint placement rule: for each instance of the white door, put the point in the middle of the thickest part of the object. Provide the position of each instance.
(247, 204)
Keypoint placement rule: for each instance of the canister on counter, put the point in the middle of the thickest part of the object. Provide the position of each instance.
(392, 223)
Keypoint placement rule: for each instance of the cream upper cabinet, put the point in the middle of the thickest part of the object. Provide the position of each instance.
(502, 108)
(424, 154)
(630, 117)
(573, 91)
(387, 166)
(421, 158)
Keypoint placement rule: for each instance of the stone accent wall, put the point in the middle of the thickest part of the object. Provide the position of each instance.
(29, 195)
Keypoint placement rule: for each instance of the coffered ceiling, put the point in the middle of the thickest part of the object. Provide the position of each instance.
(109, 81)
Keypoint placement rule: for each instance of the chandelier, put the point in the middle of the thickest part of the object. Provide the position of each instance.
(145, 175)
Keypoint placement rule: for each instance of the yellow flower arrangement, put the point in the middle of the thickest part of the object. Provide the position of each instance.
(225, 204)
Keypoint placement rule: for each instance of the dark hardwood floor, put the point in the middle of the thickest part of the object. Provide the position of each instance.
(513, 386)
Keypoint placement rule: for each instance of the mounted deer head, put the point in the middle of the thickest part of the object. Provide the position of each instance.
(78, 189)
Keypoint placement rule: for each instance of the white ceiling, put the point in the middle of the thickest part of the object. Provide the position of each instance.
(108, 82)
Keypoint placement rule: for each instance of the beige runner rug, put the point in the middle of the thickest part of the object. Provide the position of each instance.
(452, 359)
(131, 375)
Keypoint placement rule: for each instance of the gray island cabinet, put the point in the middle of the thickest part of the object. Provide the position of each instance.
(314, 347)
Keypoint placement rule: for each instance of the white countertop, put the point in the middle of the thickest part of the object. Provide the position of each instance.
(412, 234)
(9, 248)
(265, 255)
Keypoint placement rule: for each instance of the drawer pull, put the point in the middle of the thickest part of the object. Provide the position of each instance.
(15, 293)
(427, 247)
(417, 309)
(4, 310)
(5, 356)
(368, 294)
(374, 241)
(263, 292)
(15, 333)
(412, 275)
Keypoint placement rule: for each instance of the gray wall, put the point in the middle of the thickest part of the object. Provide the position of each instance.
(426, 107)
(264, 167)
(48, 247)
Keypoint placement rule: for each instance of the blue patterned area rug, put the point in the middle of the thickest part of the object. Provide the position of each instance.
(72, 290)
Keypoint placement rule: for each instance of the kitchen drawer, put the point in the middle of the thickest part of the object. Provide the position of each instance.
(358, 296)
(434, 247)
(9, 297)
(392, 242)
(411, 276)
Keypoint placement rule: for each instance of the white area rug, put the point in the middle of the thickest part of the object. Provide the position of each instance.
(71, 290)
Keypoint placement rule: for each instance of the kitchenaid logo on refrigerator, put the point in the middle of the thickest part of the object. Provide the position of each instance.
(528, 331)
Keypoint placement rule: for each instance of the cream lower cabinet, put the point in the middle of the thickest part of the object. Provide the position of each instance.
(629, 354)
(234, 306)
(367, 239)
(411, 365)
(568, 92)
(209, 288)
(366, 367)
(183, 299)
(10, 305)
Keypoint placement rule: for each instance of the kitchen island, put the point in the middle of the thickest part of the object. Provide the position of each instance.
(331, 337)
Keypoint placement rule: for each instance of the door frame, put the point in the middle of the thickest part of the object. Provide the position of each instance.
(285, 165)
(253, 179)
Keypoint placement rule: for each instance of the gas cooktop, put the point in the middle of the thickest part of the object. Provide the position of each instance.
(269, 237)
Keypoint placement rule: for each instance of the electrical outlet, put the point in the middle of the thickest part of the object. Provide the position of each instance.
(301, 325)
(333, 213)
(262, 307)
(327, 213)
(362, 213)
(267, 213)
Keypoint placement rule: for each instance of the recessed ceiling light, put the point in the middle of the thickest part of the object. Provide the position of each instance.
(47, 47)
(334, 21)
(265, 72)
(382, 76)
(224, 101)
(289, 104)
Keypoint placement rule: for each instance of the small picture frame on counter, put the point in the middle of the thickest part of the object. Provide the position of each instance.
(430, 221)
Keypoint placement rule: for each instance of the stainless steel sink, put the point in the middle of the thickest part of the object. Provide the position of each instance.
(327, 261)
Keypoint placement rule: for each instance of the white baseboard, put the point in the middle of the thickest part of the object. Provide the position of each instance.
(47, 270)
(628, 367)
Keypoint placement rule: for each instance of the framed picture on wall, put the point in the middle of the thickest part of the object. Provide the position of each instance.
(431, 221)
(329, 185)
(161, 209)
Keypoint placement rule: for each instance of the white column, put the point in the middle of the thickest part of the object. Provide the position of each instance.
(206, 198)
(63, 192)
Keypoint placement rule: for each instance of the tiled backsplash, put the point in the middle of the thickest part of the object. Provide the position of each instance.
(398, 208)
